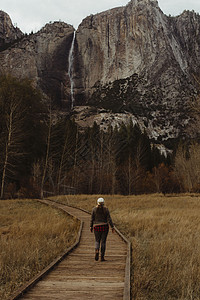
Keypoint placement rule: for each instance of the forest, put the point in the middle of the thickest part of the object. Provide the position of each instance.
(44, 155)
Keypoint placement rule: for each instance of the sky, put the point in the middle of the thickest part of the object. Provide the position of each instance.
(32, 15)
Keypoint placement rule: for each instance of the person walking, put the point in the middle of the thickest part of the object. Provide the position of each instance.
(100, 220)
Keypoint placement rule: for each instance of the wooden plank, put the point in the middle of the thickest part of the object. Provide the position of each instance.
(74, 295)
(52, 265)
(96, 278)
(79, 276)
(85, 284)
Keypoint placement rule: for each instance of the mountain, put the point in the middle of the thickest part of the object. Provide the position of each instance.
(8, 33)
(43, 58)
(136, 59)
(131, 61)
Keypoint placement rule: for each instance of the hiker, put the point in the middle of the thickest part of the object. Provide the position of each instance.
(100, 220)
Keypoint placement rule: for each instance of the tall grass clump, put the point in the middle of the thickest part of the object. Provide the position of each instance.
(165, 236)
(31, 236)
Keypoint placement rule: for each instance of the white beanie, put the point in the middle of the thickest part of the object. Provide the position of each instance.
(100, 201)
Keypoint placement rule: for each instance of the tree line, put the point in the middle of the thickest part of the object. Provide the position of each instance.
(39, 155)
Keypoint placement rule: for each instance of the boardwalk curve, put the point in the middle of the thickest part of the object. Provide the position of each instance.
(76, 275)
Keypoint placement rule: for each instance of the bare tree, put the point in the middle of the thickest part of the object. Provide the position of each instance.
(187, 160)
(12, 139)
(64, 156)
(46, 160)
(187, 167)
(111, 151)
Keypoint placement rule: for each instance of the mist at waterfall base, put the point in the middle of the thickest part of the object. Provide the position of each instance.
(33, 15)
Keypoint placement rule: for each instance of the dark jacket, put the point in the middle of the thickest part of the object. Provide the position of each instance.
(100, 216)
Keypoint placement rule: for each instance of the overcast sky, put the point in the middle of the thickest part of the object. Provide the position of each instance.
(32, 15)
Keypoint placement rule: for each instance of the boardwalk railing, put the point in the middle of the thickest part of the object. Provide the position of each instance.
(127, 285)
(50, 267)
(41, 275)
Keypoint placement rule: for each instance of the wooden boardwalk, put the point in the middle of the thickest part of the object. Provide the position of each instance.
(79, 276)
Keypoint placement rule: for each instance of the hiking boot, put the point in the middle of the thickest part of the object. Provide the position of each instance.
(97, 255)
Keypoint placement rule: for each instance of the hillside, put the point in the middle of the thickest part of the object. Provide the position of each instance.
(133, 60)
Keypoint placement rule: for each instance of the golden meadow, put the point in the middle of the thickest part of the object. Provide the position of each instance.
(32, 235)
(164, 232)
(165, 236)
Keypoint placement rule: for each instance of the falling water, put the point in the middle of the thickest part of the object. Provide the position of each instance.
(70, 69)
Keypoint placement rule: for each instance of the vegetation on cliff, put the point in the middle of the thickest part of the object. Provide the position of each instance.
(42, 154)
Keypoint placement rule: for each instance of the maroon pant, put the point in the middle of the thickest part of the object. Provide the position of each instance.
(100, 239)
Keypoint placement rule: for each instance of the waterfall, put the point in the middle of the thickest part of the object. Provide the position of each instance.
(70, 69)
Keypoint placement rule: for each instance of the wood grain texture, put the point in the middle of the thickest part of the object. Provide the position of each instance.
(79, 276)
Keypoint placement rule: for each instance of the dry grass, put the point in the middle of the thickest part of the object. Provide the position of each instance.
(165, 235)
(31, 236)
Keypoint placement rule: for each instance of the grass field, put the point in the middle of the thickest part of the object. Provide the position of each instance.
(31, 236)
(165, 236)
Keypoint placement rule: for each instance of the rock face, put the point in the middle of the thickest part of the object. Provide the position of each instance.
(136, 59)
(43, 58)
(8, 33)
(128, 60)
(137, 38)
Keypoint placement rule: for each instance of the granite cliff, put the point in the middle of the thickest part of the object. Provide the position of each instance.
(8, 33)
(136, 59)
(131, 61)
(43, 58)
(138, 38)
